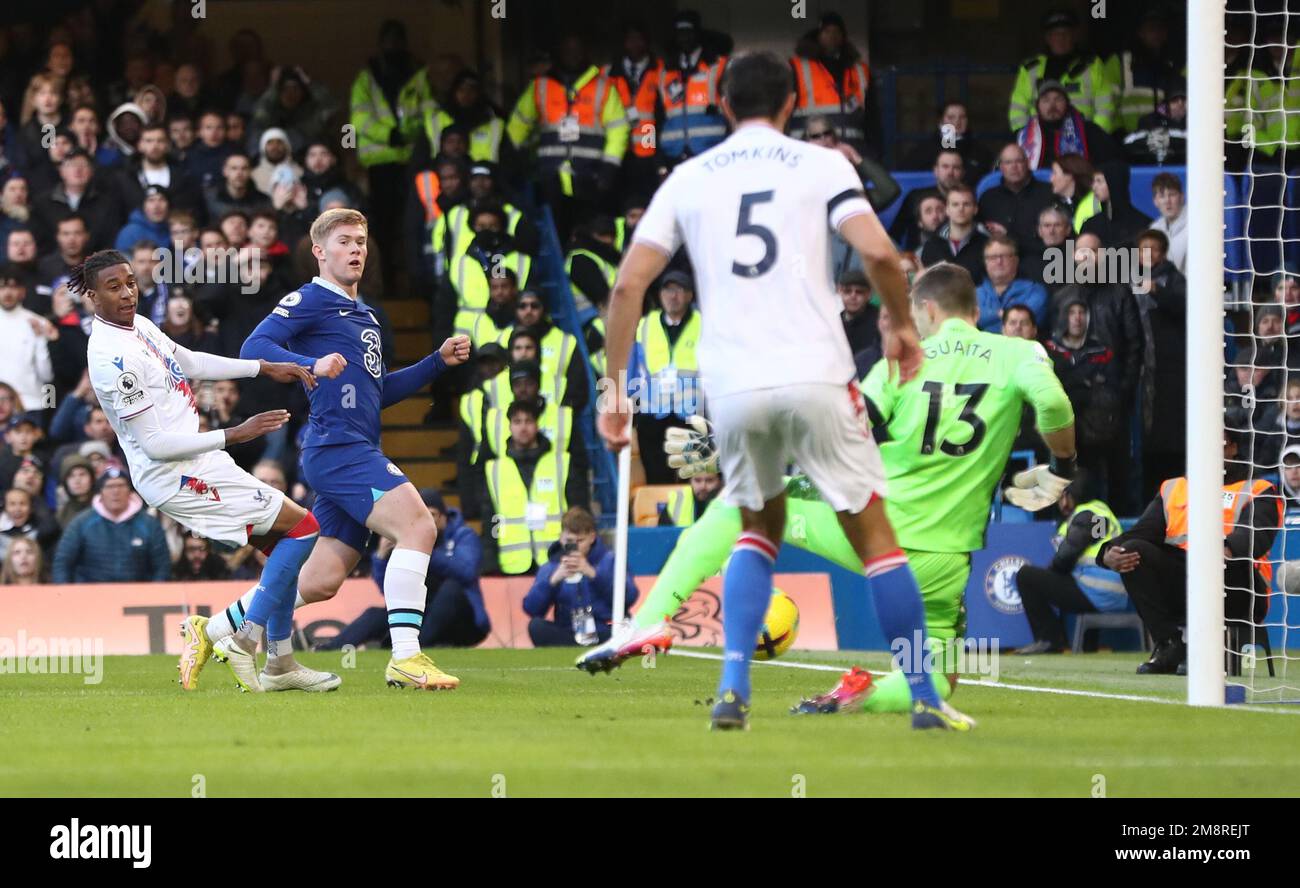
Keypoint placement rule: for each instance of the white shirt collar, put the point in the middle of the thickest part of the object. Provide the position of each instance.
(335, 288)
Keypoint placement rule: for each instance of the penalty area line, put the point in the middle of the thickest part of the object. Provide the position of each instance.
(988, 683)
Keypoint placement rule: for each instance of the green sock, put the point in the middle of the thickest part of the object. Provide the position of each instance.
(699, 554)
(893, 695)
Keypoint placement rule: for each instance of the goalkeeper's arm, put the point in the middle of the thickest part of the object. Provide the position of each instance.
(1041, 486)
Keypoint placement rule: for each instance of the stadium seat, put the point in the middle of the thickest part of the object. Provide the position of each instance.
(646, 501)
(1127, 620)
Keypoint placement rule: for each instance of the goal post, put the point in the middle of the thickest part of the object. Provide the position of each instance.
(1205, 365)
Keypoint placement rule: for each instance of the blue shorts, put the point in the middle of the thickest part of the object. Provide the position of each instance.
(348, 480)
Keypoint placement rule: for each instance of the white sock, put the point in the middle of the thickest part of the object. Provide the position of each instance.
(281, 648)
(404, 596)
(229, 620)
(254, 631)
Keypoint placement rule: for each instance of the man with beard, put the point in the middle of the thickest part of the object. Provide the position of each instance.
(150, 165)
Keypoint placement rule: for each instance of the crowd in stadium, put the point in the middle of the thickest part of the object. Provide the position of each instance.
(223, 171)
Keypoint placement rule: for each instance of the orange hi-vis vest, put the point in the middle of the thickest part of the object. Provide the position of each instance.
(643, 129)
(427, 188)
(692, 121)
(841, 103)
(569, 121)
(1236, 497)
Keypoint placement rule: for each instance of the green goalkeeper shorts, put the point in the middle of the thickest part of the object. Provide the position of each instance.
(942, 577)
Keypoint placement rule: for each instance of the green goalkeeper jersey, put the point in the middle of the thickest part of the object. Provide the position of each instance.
(949, 431)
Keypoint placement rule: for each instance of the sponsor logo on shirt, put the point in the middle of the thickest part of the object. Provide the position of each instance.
(393, 470)
(284, 313)
(292, 299)
(200, 487)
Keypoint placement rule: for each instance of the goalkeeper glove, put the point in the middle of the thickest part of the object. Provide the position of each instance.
(1038, 487)
(691, 451)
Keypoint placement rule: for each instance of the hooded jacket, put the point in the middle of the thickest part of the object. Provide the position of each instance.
(123, 147)
(561, 599)
(1091, 376)
(1119, 222)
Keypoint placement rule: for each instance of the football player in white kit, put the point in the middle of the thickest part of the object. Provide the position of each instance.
(142, 379)
(755, 214)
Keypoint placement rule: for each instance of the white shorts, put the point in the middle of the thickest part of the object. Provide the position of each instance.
(223, 502)
(820, 427)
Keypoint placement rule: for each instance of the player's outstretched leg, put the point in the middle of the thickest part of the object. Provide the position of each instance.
(282, 672)
(899, 610)
(401, 516)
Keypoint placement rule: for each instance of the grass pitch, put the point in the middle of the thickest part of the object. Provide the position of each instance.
(526, 723)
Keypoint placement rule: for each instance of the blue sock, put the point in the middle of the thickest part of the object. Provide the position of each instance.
(272, 604)
(902, 618)
(746, 594)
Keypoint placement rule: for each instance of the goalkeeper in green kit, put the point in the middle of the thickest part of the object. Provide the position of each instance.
(945, 438)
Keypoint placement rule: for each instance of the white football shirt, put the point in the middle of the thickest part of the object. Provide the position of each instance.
(756, 214)
(133, 369)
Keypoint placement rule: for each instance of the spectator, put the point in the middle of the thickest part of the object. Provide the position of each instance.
(499, 314)
(1048, 251)
(275, 166)
(20, 255)
(859, 315)
(153, 103)
(150, 274)
(1082, 76)
(832, 79)
(667, 367)
(77, 487)
(237, 132)
(236, 192)
(686, 504)
(198, 562)
(680, 96)
(184, 328)
(24, 565)
(85, 127)
(949, 172)
(15, 205)
(1074, 583)
(470, 112)
(486, 391)
(1117, 222)
(124, 127)
(1154, 572)
(564, 378)
(73, 239)
(1071, 181)
(953, 131)
(148, 222)
(13, 155)
(1145, 75)
(45, 102)
(295, 104)
(78, 191)
(1163, 308)
(1018, 322)
(864, 360)
(18, 521)
(207, 157)
(959, 241)
(1161, 135)
(627, 73)
(1012, 206)
(189, 94)
(25, 359)
(1167, 191)
(527, 492)
(1092, 376)
(150, 166)
(1002, 288)
(1059, 129)
(1251, 388)
(595, 153)
(1283, 433)
(575, 587)
(321, 173)
(115, 541)
(1290, 475)
(180, 132)
(592, 262)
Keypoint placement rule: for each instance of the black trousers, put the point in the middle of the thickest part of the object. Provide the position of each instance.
(388, 186)
(1158, 587)
(650, 439)
(548, 633)
(448, 622)
(1111, 467)
(1046, 595)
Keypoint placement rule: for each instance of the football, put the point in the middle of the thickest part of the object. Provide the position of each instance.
(780, 627)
